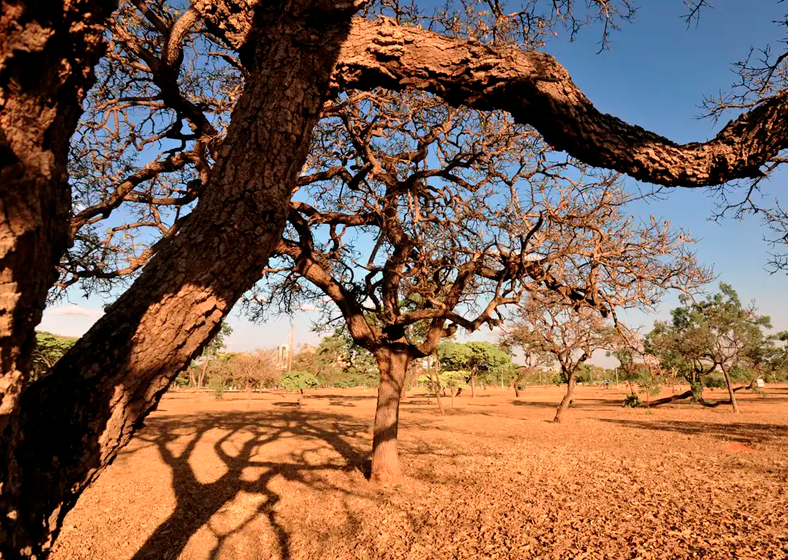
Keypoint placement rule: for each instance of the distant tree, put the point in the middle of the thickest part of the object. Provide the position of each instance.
(570, 335)
(770, 361)
(452, 380)
(248, 370)
(217, 345)
(49, 349)
(631, 366)
(535, 358)
(477, 358)
(298, 381)
(717, 332)
(343, 363)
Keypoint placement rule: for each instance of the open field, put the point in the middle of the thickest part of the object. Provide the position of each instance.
(494, 478)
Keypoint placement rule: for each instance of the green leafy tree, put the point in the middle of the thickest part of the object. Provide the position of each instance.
(212, 350)
(718, 333)
(343, 363)
(49, 349)
(298, 381)
(453, 381)
(479, 359)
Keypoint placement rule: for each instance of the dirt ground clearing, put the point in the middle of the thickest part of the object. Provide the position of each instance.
(494, 478)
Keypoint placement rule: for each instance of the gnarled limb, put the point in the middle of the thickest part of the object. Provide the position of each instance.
(537, 90)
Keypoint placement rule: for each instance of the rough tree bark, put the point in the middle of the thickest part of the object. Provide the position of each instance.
(47, 56)
(537, 90)
(393, 365)
(570, 389)
(46, 67)
(75, 420)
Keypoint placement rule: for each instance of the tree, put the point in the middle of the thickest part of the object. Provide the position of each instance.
(477, 358)
(194, 278)
(770, 360)
(453, 380)
(535, 358)
(46, 68)
(177, 303)
(49, 349)
(571, 336)
(343, 363)
(718, 332)
(409, 247)
(298, 381)
(244, 370)
(217, 345)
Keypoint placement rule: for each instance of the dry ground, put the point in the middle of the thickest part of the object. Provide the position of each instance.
(494, 478)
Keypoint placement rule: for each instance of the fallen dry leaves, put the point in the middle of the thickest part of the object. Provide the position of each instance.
(494, 478)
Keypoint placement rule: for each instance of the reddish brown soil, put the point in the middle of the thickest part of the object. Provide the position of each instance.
(494, 478)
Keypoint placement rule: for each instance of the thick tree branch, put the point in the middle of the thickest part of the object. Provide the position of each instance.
(538, 91)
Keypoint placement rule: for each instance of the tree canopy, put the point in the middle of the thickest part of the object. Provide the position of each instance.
(718, 332)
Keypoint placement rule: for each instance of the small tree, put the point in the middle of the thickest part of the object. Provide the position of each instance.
(569, 335)
(298, 381)
(477, 358)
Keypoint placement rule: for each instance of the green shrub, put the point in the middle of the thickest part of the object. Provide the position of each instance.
(714, 381)
(632, 401)
(298, 381)
(216, 386)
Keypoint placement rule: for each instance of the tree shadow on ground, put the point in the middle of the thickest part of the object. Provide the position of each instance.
(738, 432)
(243, 435)
(339, 397)
(576, 403)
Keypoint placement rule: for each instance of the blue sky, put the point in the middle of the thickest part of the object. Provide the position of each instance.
(655, 75)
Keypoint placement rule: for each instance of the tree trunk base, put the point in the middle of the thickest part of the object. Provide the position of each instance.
(387, 478)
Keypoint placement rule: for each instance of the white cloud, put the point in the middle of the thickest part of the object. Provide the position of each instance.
(308, 307)
(75, 310)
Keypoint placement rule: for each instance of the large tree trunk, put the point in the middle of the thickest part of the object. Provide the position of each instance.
(74, 421)
(47, 57)
(46, 67)
(385, 460)
(473, 386)
(731, 392)
(570, 389)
